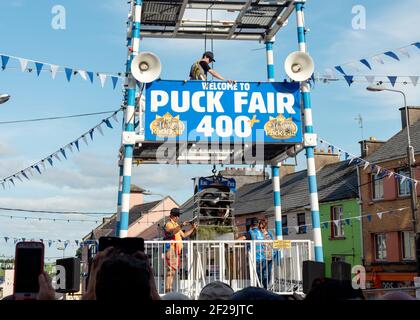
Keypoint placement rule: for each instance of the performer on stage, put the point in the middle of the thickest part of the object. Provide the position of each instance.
(174, 232)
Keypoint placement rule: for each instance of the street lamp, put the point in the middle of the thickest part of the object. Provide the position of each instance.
(411, 161)
(4, 98)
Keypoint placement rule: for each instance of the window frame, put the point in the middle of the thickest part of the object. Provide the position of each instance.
(404, 172)
(376, 249)
(334, 228)
(284, 225)
(302, 229)
(412, 239)
(373, 180)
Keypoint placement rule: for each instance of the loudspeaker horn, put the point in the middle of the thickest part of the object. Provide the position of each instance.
(146, 67)
(299, 66)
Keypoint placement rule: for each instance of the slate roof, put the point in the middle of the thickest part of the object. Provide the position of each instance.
(335, 182)
(396, 147)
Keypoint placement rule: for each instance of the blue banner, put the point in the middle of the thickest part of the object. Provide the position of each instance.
(218, 111)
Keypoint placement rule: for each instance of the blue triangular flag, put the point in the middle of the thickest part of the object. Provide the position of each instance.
(369, 217)
(349, 79)
(63, 153)
(77, 145)
(392, 55)
(108, 123)
(49, 243)
(50, 161)
(325, 225)
(77, 242)
(136, 124)
(37, 169)
(4, 61)
(346, 155)
(12, 181)
(417, 44)
(366, 63)
(340, 69)
(347, 220)
(286, 230)
(90, 75)
(24, 174)
(66, 244)
(114, 81)
(23, 239)
(69, 72)
(38, 66)
(6, 238)
(91, 134)
(392, 79)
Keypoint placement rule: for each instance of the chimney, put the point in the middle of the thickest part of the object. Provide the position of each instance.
(322, 158)
(136, 195)
(413, 116)
(367, 147)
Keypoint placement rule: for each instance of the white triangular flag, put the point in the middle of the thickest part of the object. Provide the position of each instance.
(114, 116)
(102, 77)
(30, 172)
(23, 64)
(414, 80)
(378, 59)
(296, 228)
(85, 140)
(390, 174)
(403, 179)
(379, 171)
(351, 160)
(355, 66)
(379, 214)
(359, 218)
(336, 222)
(2, 184)
(56, 156)
(54, 70)
(416, 183)
(43, 164)
(83, 74)
(366, 165)
(100, 129)
(404, 52)
(70, 148)
(18, 176)
(370, 79)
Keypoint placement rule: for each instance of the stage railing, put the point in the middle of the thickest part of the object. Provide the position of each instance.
(238, 263)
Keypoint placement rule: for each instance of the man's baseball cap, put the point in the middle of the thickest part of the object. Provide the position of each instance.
(210, 55)
(175, 212)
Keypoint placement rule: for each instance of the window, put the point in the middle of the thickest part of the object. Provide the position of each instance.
(404, 186)
(338, 259)
(380, 246)
(338, 222)
(377, 187)
(285, 230)
(301, 222)
(407, 243)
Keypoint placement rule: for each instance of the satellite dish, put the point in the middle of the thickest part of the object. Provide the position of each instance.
(299, 66)
(146, 67)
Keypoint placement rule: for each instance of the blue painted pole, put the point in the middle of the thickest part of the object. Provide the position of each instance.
(120, 162)
(310, 160)
(270, 59)
(129, 118)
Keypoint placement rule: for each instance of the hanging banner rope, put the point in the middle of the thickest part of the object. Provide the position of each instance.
(47, 219)
(28, 65)
(377, 170)
(76, 243)
(381, 58)
(379, 79)
(59, 155)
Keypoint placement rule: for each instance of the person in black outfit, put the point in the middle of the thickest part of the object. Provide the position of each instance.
(201, 67)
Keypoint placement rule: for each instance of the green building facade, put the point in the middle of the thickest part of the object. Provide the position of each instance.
(341, 239)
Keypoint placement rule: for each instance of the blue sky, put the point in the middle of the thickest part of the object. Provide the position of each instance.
(94, 39)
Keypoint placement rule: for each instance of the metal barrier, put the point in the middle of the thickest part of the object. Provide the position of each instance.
(238, 263)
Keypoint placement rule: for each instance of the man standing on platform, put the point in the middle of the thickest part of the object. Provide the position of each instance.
(173, 232)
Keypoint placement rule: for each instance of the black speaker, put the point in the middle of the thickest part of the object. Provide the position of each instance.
(72, 275)
(341, 271)
(312, 270)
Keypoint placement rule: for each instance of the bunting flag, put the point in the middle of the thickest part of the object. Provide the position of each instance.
(393, 80)
(53, 68)
(379, 214)
(10, 180)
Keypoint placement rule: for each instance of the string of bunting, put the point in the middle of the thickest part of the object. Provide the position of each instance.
(28, 65)
(380, 79)
(379, 171)
(50, 242)
(47, 219)
(381, 58)
(60, 154)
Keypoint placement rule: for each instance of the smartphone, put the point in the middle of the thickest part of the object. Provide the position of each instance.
(29, 264)
(125, 245)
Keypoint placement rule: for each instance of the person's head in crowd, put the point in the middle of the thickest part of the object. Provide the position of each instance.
(123, 277)
(397, 295)
(175, 296)
(326, 289)
(256, 293)
(263, 224)
(216, 290)
(174, 214)
(254, 223)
